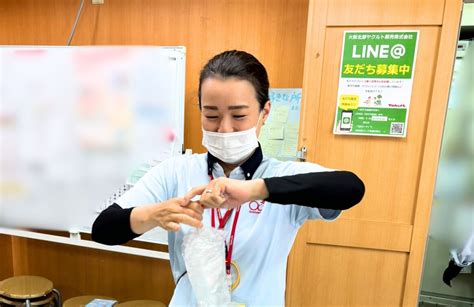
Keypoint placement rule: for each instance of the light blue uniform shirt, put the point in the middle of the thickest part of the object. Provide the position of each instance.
(265, 232)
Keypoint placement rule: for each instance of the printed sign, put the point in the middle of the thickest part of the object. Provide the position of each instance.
(375, 82)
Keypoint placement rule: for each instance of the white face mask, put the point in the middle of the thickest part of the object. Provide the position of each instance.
(231, 147)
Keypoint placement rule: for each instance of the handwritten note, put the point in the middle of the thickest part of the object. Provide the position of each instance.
(279, 136)
(290, 143)
(280, 114)
(275, 132)
(272, 148)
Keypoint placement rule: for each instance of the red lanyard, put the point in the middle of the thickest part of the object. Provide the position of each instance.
(222, 222)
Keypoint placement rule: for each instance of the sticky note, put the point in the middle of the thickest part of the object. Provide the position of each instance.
(275, 132)
(272, 148)
(280, 114)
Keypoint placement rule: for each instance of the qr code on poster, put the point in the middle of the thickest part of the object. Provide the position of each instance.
(396, 128)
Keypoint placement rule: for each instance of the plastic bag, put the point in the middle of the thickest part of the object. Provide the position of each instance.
(204, 257)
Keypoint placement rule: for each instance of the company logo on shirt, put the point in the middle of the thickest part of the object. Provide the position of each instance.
(256, 206)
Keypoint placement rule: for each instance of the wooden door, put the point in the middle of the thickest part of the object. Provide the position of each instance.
(373, 255)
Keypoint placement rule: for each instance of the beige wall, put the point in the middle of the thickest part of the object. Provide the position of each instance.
(273, 30)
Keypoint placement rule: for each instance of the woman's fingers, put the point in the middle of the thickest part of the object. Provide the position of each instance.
(213, 195)
(186, 219)
(218, 191)
(192, 213)
(171, 213)
(196, 206)
(172, 226)
(192, 210)
(194, 192)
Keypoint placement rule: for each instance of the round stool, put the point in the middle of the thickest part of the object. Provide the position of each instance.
(141, 303)
(28, 290)
(81, 301)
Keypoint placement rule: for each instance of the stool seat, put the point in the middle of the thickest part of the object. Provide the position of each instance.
(80, 301)
(141, 303)
(42, 301)
(25, 287)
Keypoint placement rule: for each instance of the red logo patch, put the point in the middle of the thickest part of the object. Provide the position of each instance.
(256, 206)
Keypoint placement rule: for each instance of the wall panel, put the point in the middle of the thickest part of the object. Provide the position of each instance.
(6, 266)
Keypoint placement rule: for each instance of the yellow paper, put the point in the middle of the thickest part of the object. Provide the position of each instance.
(271, 148)
(275, 132)
(291, 131)
(349, 102)
(280, 114)
(291, 141)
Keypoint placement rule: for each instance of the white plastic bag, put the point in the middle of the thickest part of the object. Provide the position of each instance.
(204, 256)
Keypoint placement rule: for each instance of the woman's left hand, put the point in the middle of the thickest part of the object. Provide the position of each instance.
(229, 193)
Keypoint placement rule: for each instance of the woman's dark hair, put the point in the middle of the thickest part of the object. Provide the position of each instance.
(240, 65)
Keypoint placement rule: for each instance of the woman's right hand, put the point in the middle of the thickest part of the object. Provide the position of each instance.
(167, 215)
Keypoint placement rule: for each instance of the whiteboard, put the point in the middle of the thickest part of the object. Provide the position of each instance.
(75, 122)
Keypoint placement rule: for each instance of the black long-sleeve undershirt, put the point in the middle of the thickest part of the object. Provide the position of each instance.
(338, 190)
(112, 226)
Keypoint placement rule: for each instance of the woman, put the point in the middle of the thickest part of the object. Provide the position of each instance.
(272, 199)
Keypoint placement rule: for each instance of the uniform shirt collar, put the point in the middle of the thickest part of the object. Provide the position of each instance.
(248, 167)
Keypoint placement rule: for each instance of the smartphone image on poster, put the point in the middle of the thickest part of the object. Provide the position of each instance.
(346, 120)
